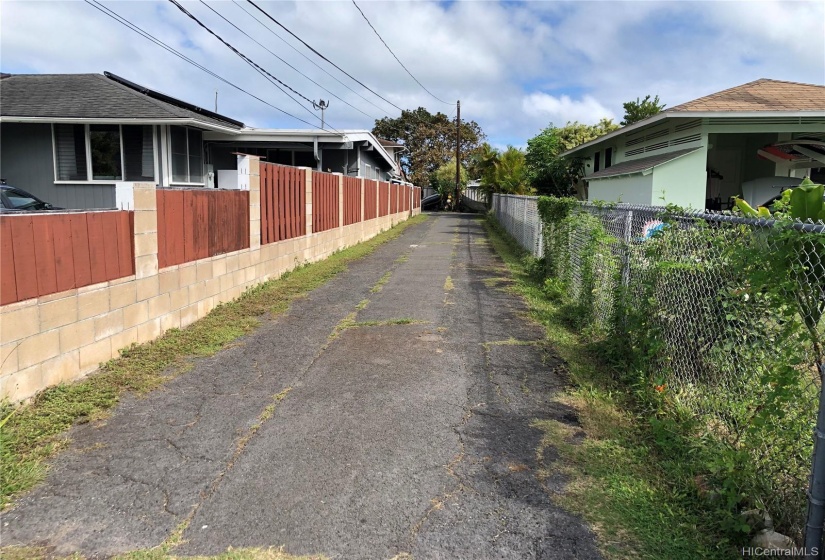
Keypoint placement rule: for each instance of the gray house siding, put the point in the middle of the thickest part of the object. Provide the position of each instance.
(340, 161)
(27, 162)
(372, 159)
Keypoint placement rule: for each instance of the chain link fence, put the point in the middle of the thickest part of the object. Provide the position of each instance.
(727, 316)
(520, 217)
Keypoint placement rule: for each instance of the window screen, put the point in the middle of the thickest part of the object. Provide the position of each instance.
(104, 141)
(195, 155)
(180, 159)
(608, 157)
(597, 159)
(138, 153)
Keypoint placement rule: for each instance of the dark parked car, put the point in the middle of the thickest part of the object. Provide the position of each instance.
(13, 199)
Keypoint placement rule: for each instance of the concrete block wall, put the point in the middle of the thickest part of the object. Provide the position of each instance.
(65, 336)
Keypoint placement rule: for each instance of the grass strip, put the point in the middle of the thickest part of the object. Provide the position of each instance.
(33, 432)
(34, 553)
(615, 479)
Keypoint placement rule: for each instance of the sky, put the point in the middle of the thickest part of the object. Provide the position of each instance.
(517, 67)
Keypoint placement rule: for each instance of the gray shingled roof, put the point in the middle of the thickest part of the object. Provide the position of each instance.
(86, 96)
(639, 165)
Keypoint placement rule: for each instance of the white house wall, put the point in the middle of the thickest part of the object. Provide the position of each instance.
(681, 181)
(631, 189)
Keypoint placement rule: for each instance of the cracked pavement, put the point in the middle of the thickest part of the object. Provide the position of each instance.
(409, 436)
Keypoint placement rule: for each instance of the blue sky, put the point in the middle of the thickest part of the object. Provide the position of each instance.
(516, 66)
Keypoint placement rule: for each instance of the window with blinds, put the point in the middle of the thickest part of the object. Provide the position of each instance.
(116, 152)
(70, 152)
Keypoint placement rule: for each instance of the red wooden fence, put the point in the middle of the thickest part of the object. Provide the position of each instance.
(417, 197)
(48, 253)
(370, 199)
(324, 201)
(393, 199)
(198, 223)
(352, 200)
(283, 202)
(383, 198)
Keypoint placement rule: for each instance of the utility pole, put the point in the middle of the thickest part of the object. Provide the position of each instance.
(216, 101)
(457, 152)
(321, 106)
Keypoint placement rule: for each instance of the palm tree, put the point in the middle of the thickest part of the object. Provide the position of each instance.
(510, 172)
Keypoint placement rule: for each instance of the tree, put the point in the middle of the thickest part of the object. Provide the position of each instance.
(443, 180)
(510, 172)
(430, 140)
(576, 133)
(635, 111)
(548, 172)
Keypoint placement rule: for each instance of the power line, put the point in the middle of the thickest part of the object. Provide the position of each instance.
(324, 70)
(350, 76)
(248, 60)
(284, 61)
(394, 56)
(129, 25)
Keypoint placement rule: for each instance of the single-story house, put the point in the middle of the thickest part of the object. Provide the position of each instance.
(69, 138)
(752, 139)
(354, 153)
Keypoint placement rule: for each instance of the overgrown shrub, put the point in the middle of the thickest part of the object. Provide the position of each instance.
(715, 329)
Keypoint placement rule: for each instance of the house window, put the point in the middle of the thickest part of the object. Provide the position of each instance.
(102, 152)
(70, 152)
(377, 174)
(186, 148)
(104, 143)
(597, 159)
(608, 157)
(138, 153)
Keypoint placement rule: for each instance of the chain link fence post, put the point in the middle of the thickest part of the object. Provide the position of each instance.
(816, 490)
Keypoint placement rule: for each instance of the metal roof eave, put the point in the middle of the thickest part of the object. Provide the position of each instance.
(695, 115)
(298, 135)
(139, 121)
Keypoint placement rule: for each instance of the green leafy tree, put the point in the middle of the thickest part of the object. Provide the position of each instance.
(575, 133)
(430, 139)
(635, 111)
(548, 172)
(510, 172)
(443, 179)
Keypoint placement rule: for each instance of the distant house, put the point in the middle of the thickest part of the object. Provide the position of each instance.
(69, 138)
(355, 153)
(752, 139)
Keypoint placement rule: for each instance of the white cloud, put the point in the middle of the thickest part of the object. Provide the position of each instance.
(515, 67)
(561, 109)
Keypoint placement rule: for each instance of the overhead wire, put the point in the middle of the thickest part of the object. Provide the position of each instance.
(394, 55)
(133, 27)
(287, 43)
(307, 45)
(282, 60)
(249, 61)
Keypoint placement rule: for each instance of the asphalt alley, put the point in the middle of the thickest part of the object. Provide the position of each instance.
(386, 414)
